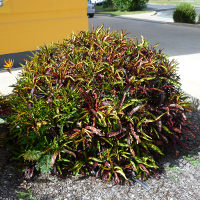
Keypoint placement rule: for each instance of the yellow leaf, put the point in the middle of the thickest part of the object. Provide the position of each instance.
(8, 64)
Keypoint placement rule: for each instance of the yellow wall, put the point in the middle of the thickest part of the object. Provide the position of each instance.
(26, 24)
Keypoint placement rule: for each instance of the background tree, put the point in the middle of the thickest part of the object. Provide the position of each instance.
(108, 3)
(130, 5)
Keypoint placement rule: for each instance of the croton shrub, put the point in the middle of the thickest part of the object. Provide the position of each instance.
(4, 113)
(97, 103)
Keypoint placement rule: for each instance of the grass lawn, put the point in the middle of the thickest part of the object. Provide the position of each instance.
(176, 2)
(112, 11)
(100, 9)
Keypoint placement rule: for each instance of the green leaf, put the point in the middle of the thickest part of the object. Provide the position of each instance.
(141, 122)
(107, 140)
(98, 146)
(58, 167)
(123, 144)
(119, 83)
(78, 165)
(44, 163)
(155, 131)
(171, 81)
(22, 195)
(166, 129)
(129, 119)
(95, 159)
(119, 170)
(125, 156)
(32, 155)
(145, 79)
(126, 105)
(195, 162)
(64, 160)
(102, 119)
(136, 167)
(154, 147)
(2, 121)
(145, 136)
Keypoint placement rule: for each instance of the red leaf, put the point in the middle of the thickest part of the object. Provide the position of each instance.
(54, 74)
(94, 112)
(95, 97)
(135, 109)
(105, 175)
(156, 89)
(176, 106)
(53, 158)
(70, 152)
(172, 123)
(158, 142)
(107, 164)
(124, 96)
(120, 125)
(177, 130)
(144, 168)
(191, 133)
(195, 126)
(76, 130)
(133, 152)
(113, 134)
(48, 70)
(183, 144)
(94, 130)
(184, 117)
(116, 178)
(121, 136)
(133, 133)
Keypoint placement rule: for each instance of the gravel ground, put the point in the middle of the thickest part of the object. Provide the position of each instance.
(178, 179)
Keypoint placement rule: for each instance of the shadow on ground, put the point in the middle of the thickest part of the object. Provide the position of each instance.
(190, 147)
(12, 180)
(19, 58)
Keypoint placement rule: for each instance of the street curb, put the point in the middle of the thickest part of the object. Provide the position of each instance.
(113, 15)
(2, 70)
(185, 24)
(149, 20)
(104, 14)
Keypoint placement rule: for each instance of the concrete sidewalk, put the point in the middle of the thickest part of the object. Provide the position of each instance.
(189, 71)
(151, 16)
(7, 80)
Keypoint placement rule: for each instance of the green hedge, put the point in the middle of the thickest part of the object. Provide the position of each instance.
(184, 13)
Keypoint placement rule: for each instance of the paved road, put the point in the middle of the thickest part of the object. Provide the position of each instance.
(174, 39)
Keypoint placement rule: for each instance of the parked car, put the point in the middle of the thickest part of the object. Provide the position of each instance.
(90, 9)
(98, 2)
